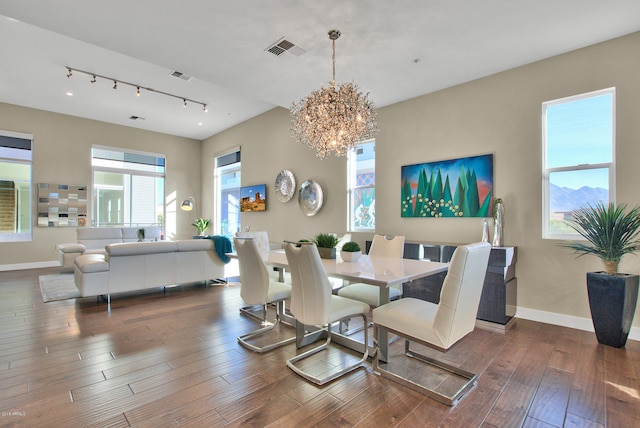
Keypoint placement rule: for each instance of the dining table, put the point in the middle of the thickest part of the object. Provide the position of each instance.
(382, 272)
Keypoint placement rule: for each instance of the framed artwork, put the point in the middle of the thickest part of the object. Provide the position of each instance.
(451, 188)
(253, 198)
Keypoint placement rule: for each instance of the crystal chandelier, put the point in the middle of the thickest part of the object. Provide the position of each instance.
(334, 119)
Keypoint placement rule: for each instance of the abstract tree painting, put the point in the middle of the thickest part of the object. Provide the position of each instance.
(451, 188)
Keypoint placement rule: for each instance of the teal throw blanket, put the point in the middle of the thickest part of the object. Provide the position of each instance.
(223, 246)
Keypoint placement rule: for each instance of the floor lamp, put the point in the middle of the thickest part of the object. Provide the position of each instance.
(189, 204)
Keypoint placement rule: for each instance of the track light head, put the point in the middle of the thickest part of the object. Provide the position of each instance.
(94, 79)
(70, 73)
(204, 108)
(137, 91)
(115, 84)
(185, 103)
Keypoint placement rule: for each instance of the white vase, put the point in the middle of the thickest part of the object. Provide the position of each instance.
(499, 218)
(350, 256)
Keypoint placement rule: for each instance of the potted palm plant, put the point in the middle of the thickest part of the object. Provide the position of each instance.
(350, 251)
(611, 232)
(202, 224)
(326, 243)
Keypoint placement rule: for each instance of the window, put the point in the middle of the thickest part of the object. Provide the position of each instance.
(227, 184)
(361, 187)
(128, 187)
(15, 186)
(578, 157)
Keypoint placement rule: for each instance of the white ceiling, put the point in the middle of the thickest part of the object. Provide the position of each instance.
(395, 50)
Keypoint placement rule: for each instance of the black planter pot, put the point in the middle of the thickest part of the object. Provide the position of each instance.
(612, 300)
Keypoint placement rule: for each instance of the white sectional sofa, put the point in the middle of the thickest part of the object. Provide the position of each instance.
(94, 239)
(141, 265)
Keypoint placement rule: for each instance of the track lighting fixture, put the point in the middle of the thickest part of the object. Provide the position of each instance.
(70, 71)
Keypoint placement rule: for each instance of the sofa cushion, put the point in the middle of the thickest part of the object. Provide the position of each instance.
(91, 263)
(151, 233)
(97, 238)
(195, 244)
(71, 248)
(140, 248)
(86, 233)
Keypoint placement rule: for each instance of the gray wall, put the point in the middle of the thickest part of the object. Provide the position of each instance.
(500, 114)
(62, 154)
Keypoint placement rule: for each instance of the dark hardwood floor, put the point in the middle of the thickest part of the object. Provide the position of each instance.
(166, 360)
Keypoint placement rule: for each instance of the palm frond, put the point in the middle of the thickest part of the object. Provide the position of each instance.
(611, 230)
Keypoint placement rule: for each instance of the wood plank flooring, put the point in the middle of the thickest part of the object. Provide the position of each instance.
(171, 359)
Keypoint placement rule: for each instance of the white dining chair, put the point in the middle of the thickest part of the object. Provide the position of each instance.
(313, 304)
(381, 246)
(440, 325)
(261, 238)
(257, 288)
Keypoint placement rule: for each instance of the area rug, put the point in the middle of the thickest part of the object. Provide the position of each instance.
(59, 286)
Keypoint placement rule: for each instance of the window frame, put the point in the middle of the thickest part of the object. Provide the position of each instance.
(547, 171)
(19, 154)
(352, 186)
(130, 172)
(219, 170)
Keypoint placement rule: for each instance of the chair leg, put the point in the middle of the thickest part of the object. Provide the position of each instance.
(345, 331)
(450, 400)
(321, 381)
(244, 339)
(250, 312)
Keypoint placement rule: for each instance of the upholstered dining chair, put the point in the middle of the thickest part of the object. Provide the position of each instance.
(257, 288)
(381, 246)
(261, 239)
(313, 304)
(441, 325)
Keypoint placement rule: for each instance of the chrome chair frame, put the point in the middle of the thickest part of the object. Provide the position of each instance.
(452, 400)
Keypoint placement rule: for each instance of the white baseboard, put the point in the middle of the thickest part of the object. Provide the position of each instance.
(35, 265)
(565, 320)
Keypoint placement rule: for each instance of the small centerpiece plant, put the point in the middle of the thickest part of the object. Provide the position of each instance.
(350, 251)
(326, 243)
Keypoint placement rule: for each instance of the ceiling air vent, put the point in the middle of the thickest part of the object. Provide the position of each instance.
(282, 46)
(180, 75)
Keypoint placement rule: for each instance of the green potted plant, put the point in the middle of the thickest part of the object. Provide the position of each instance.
(202, 224)
(141, 234)
(612, 232)
(350, 251)
(326, 243)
